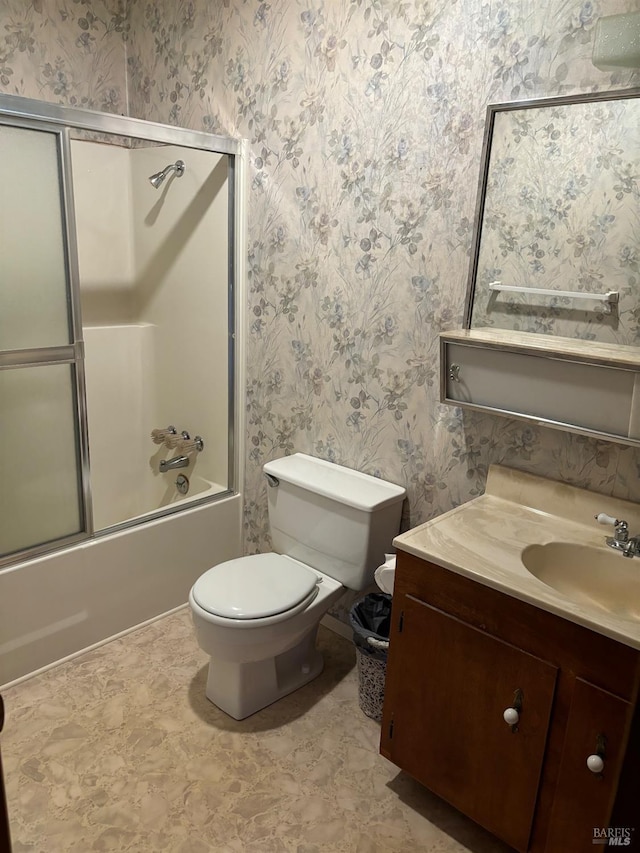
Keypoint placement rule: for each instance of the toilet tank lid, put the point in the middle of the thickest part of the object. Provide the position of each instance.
(344, 485)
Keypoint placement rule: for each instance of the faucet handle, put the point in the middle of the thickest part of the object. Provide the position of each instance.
(621, 527)
(175, 440)
(192, 445)
(160, 436)
(603, 518)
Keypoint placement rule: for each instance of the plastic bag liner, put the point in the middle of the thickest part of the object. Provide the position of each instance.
(371, 617)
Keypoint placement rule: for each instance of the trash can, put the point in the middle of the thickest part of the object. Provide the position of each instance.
(370, 619)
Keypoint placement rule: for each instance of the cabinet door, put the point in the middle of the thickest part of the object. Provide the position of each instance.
(444, 718)
(540, 387)
(584, 800)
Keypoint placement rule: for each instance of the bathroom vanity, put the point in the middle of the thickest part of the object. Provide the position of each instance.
(513, 701)
(514, 663)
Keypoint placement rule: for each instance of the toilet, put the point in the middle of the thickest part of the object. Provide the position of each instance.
(257, 617)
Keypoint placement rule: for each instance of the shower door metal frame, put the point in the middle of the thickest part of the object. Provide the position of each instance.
(18, 111)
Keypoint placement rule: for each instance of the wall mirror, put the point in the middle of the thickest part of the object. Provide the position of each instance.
(117, 320)
(556, 248)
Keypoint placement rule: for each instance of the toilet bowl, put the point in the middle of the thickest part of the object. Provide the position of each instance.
(257, 617)
(257, 659)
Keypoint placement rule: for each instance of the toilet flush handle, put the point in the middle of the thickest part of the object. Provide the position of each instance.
(272, 481)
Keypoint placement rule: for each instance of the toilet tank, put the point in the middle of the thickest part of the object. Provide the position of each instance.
(332, 518)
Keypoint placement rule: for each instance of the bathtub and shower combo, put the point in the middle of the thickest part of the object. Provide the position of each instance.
(121, 265)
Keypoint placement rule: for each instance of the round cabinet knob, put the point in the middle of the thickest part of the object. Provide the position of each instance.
(511, 716)
(595, 763)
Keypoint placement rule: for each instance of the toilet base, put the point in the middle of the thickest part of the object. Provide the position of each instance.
(241, 689)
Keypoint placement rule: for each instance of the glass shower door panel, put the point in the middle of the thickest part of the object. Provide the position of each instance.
(34, 301)
(40, 498)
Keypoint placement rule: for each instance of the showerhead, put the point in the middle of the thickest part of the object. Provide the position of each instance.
(157, 179)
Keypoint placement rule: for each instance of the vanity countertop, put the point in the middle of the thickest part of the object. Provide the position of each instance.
(484, 539)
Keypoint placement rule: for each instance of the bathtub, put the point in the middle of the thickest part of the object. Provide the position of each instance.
(167, 495)
(56, 606)
(198, 488)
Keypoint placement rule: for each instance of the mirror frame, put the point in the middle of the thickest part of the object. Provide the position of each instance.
(485, 161)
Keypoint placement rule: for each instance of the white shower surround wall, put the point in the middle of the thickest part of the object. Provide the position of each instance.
(154, 292)
(125, 475)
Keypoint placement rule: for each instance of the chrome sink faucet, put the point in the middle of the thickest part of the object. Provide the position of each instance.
(620, 541)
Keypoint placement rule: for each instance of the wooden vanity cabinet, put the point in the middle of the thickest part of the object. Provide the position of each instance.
(460, 654)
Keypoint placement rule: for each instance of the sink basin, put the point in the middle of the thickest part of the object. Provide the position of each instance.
(597, 577)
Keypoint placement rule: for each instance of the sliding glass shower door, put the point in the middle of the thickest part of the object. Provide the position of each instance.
(117, 323)
(42, 447)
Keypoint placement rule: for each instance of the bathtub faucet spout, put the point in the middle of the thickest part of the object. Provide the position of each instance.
(172, 464)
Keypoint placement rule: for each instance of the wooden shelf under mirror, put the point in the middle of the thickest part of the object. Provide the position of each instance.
(580, 386)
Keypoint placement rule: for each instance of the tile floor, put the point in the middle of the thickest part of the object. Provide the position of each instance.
(120, 750)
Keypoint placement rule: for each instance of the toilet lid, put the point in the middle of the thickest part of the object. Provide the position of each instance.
(254, 587)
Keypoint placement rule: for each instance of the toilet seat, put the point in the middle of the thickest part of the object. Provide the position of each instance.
(256, 587)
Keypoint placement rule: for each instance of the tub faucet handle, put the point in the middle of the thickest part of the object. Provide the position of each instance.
(159, 436)
(191, 445)
(175, 440)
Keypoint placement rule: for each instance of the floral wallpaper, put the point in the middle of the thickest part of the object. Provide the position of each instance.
(365, 122)
(560, 213)
(66, 51)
